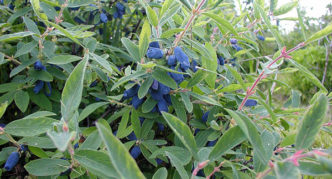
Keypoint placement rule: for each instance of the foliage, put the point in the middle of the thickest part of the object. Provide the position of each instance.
(151, 89)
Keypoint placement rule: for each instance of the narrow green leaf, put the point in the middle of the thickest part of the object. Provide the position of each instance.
(164, 78)
(166, 5)
(324, 32)
(309, 75)
(63, 59)
(102, 62)
(29, 127)
(231, 138)
(26, 48)
(18, 35)
(182, 131)
(199, 76)
(210, 64)
(124, 164)
(176, 162)
(187, 103)
(72, 92)
(206, 99)
(3, 108)
(131, 48)
(311, 123)
(285, 8)
(36, 8)
(22, 100)
(90, 109)
(148, 105)
(135, 122)
(41, 142)
(237, 76)
(170, 33)
(47, 167)
(31, 25)
(161, 173)
(222, 22)
(124, 79)
(287, 170)
(96, 162)
(61, 140)
(152, 16)
(144, 39)
(144, 89)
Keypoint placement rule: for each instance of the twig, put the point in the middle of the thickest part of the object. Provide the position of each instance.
(216, 169)
(284, 54)
(328, 51)
(198, 168)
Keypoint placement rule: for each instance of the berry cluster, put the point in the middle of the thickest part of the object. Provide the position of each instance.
(154, 51)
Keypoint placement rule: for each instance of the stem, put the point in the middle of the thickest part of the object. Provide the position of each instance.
(216, 169)
(195, 12)
(284, 54)
(328, 50)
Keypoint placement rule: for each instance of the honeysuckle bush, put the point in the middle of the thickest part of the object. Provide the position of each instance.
(151, 89)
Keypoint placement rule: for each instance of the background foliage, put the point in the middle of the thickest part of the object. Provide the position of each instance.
(153, 89)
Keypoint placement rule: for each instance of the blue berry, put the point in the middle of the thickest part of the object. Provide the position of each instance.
(182, 58)
(178, 78)
(159, 161)
(94, 83)
(211, 143)
(137, 102)
(237, 48)
(156, 94)
(164, 89)
(205, 116)
(131, 92)
(2, 125)
(161, 127)
(78, 20)
(221, 60)
(141, 120)
(155, 53)
(39, 66)
(162, 106)
(76, 146)
(155, 85)
(250, 102)
(154, 44)
(193, 65)
(97, 99)
(233, 41)
(135, 152)
(23, 148)
(11, 6)
(171, 60)
(125, 0)
(132, 136)
(120, 10)
(196, 131)
(12, 161)
(57, 8)
(103, 18)
(262, 38)
(167, 97)
(39, 86)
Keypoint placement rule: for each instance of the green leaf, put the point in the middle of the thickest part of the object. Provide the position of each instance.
(72, 92)
(47, 167)
(178, 165)
(102, 62)
(164, 78)
(313, 169)
(93, 141)
(237, 76)
(31, 25)
(42, 75)
(90, 109)
(222, 22)
(18, 35)
(285, 8)
(324, 32)
(29, 127)
(186, 100)
(199, 76)
(65, 33)
(26, 48)
(61, 139)
(311, 123)
(231, 138)
(97, 162)
(206, 99)
(144, 89)
(250, 130)
(152, 16)
(287, 170)
(77, 3)
(161, 173)
(63, 59)
(124, 79)
(124, 164)
(166, 5)
(21, 99)
(36, 8)
(148, 105)
(3, 108)
(131, 48)
(179, 109)
(169, 14)
(186, 3)
(41, 142)
(210, 64)
(144, 40)
(39, 114)
(170, 33)
(309, 75)
(182, 131)
(135, 122)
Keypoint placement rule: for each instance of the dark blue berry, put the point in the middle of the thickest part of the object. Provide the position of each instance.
(155, 85)
(94, 83)
(162, 106)
(74, 8)
(136, 102)
(205, 116)
(154, 44)
(171, 60)
(2, 125)
(262, 38)
(182, 58)
(159, 161)
(12, 161)
(132, 136)
(193, 65)
(76, 146)
(221, 60)
(233, 41)
(131, 92)
(11, 6)
(39, 86)
(78, 20)
(156, 94)
(212, 143)
(178, 78)
(23, 148)
(155, 53)
(161, 127)
(135, 152)
(39, 66)
(164, 89)
(103, 18)
(48, 84)
(237, 48)
(250, 102)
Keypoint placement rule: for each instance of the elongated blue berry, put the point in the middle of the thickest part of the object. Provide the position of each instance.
(155, 85)
(39, 86)
(137, 102)
(155, 53)
(162, 106)
(12, 161)
(237, 48)
(211, 143)
(171, 60)
(154, 44)
(78, 20)
(178, 78)
(182, 58)
(141, 120)
(103, 18)
(135, 152)
(2, 125)
(49, 87)
(156, 94)
(262, 38)
(221, 60)
(23, 148)
(250, 102)
(164, 89)
(131, 92)
(193, 65)
(233, 41)
(76, 146)
(159, 161)
(132, 136)
(205, 116)
(94, 83)
(39, 66)
(167, 97)
(161, 126)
